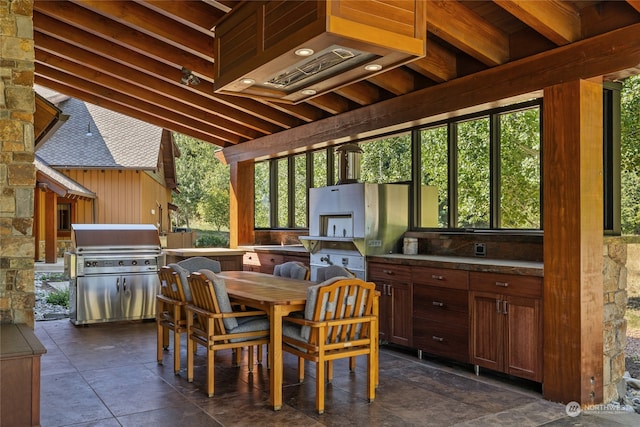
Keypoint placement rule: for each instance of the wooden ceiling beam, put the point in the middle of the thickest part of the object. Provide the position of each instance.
(138, 84)
(439, 64)
(75, 92)
(260, 120)
(331, 102)
(514, 81)
(469, 32)
(125, 98)
(363, 92)
(556, 20)
(152, 23)
(397, 81)
(197, 14)
(303, 111)
(122, 35)
(634, 4)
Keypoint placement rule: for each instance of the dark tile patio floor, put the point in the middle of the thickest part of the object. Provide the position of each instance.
(107, 375)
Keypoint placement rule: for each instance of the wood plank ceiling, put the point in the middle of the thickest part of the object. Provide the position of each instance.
(128, 56)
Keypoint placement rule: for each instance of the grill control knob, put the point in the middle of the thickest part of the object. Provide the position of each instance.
(120, 262)
(87, 264)
(147, 262)
(134, 262)
(94, 263)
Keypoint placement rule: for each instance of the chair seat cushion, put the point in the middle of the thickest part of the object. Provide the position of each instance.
(223, 298)
(292, 269)
(184, 275)
(253, 324)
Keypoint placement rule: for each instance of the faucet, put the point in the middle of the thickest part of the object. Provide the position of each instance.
(326, 259)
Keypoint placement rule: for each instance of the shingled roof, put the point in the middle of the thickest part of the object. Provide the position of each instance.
(115, 141)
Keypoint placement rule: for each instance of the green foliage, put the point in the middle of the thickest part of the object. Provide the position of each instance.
(59, 297)
(630, 156)
(203, 184)
(262, 200)
(211, 240)
(386, 160)
(52, 277)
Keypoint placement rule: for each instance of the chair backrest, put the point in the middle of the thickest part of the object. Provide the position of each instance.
(171, 283)
(183, 273)
(326, 273)
(339, 298)
(292, 270)
(210, 293)
(198, 263)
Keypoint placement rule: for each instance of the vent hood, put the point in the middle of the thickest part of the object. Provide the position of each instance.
(291, 51)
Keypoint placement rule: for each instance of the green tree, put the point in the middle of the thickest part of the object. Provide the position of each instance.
(195, 175)
(630, 155)
(214, 206)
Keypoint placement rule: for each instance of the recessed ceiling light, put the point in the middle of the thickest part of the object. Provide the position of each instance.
(247, 81)
(373, 67)
(304, 51)
(308, 92)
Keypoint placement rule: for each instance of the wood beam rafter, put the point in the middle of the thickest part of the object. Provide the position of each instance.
(451, 21)
(438, 64)
(556, 20)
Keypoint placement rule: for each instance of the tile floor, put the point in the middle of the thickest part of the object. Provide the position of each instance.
(107, 375)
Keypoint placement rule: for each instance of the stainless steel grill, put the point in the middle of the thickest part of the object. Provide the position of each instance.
(113, 272)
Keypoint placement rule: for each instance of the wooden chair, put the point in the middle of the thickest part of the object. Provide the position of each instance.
(340, 322)
(198, 263)
(292, 270)
(170, 311)
(212, 323)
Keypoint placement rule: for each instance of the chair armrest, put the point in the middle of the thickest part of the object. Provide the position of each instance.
(244, 313)
(169, 300)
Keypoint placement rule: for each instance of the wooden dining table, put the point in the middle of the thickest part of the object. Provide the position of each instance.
(278, 297)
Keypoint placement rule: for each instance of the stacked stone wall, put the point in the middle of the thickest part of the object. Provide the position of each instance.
(17, 171)
(615, 325)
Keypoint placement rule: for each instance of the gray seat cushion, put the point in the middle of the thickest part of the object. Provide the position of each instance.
(184, 274)
(291, 269)
(252, 324)
(198, 263)
(325, 273)
(223, 298)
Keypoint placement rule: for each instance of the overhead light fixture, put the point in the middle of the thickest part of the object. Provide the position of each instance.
(89, 133)
(308, 92)
(188, 78)
(373, 67)
(304, 51)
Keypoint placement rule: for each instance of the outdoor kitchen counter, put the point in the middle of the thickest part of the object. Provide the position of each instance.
(277, 249)
(229, 259)
(525, 268)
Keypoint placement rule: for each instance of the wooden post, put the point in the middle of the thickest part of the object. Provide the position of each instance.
(573, 240)
(50, 227)
(241, 203)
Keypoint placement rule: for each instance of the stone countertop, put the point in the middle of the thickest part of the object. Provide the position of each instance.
(276, 249)
(189, 252)
(490, 265)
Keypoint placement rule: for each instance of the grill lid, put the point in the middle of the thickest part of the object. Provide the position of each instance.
(114, 235)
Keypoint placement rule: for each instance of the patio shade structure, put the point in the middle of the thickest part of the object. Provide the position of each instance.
(144, 58)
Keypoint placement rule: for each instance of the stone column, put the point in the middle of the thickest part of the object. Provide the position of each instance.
(17, 171)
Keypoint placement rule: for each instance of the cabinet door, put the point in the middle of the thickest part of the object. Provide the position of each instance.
(401, 316)
(523, 336)
(486, 330)
(384, 313)
(98, 299)
(138, 296)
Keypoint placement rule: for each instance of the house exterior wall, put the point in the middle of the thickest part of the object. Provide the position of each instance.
(17, 170)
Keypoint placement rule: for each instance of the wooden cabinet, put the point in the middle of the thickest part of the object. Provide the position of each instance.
(394, 284)
(264, 262)
(506, 323)
(441, 312)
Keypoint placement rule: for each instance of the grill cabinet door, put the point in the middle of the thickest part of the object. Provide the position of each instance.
(98, 299)
(138, 296)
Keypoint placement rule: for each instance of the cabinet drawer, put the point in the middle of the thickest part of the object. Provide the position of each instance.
(442, 339)
(443, 277)
(250, 258)
(389, 272)
(506, 284)
(442, 305)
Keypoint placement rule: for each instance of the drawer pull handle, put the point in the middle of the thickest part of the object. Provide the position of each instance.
(438, 303)
(498, 306)
(436, 277)
(435, 338)
(502, 284)
(387, 271)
